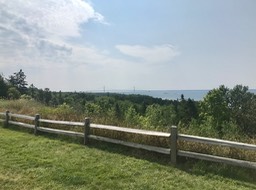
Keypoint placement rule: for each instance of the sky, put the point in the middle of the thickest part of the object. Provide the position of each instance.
(79, 45)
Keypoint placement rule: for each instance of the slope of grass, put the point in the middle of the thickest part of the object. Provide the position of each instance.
(41, 162)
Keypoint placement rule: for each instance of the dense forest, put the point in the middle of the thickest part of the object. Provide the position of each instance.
(222, 112)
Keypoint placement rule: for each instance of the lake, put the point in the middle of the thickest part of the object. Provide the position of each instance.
(171, 94)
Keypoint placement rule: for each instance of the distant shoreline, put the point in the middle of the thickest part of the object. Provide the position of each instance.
(196, 95)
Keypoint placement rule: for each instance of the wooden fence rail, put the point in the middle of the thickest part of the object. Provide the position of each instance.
(173, 137)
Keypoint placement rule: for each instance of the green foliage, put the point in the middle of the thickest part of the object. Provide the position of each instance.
(204, 128)
(32, 91)
(132, 118)
(160, 116)
(3, 87)
(47, 95)
(186, 111)
(64, 112)
(92, 109)
(236, 105)
(153, 115)
(243, 108)
(26, 97)
(216, 106)
(18, 80)
(13, 93)
(232, 131)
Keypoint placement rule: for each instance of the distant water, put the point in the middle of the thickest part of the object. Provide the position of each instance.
(172, 94)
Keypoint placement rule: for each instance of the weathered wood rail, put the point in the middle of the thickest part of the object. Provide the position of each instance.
(174, 137)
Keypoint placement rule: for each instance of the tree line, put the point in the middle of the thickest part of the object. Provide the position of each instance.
(222, 111)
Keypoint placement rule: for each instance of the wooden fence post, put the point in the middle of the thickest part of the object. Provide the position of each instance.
(7, 118)
(86, 130)
(174, 144)
(37, 117)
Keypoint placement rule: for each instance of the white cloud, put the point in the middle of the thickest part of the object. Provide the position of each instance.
(61, 17)
(36, 32)
(155, 54)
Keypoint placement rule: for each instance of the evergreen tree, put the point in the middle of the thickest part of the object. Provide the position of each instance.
(47, 95)
(18, 80)
(32, 91)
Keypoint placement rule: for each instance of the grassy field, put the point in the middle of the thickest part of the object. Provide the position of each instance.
(50, 162)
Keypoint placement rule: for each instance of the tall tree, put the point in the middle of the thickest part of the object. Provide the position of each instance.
(32, 90)
(216, 105)
(18, 80)
(47, 95)
(243, 108)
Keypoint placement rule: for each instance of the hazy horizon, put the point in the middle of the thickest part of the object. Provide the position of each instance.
(164, 94)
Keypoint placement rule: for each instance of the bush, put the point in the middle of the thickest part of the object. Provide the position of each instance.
(13, 93)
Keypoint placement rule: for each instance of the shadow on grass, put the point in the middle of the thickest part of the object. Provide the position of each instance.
(213, 170)
(191, 166)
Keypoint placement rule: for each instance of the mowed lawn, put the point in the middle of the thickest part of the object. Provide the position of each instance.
(41, 162)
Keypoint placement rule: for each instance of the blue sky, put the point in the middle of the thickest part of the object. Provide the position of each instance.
(75, 45)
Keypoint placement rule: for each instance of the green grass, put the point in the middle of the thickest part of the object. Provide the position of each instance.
(48, 162)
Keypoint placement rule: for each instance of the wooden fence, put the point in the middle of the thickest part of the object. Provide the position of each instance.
(174, 137)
